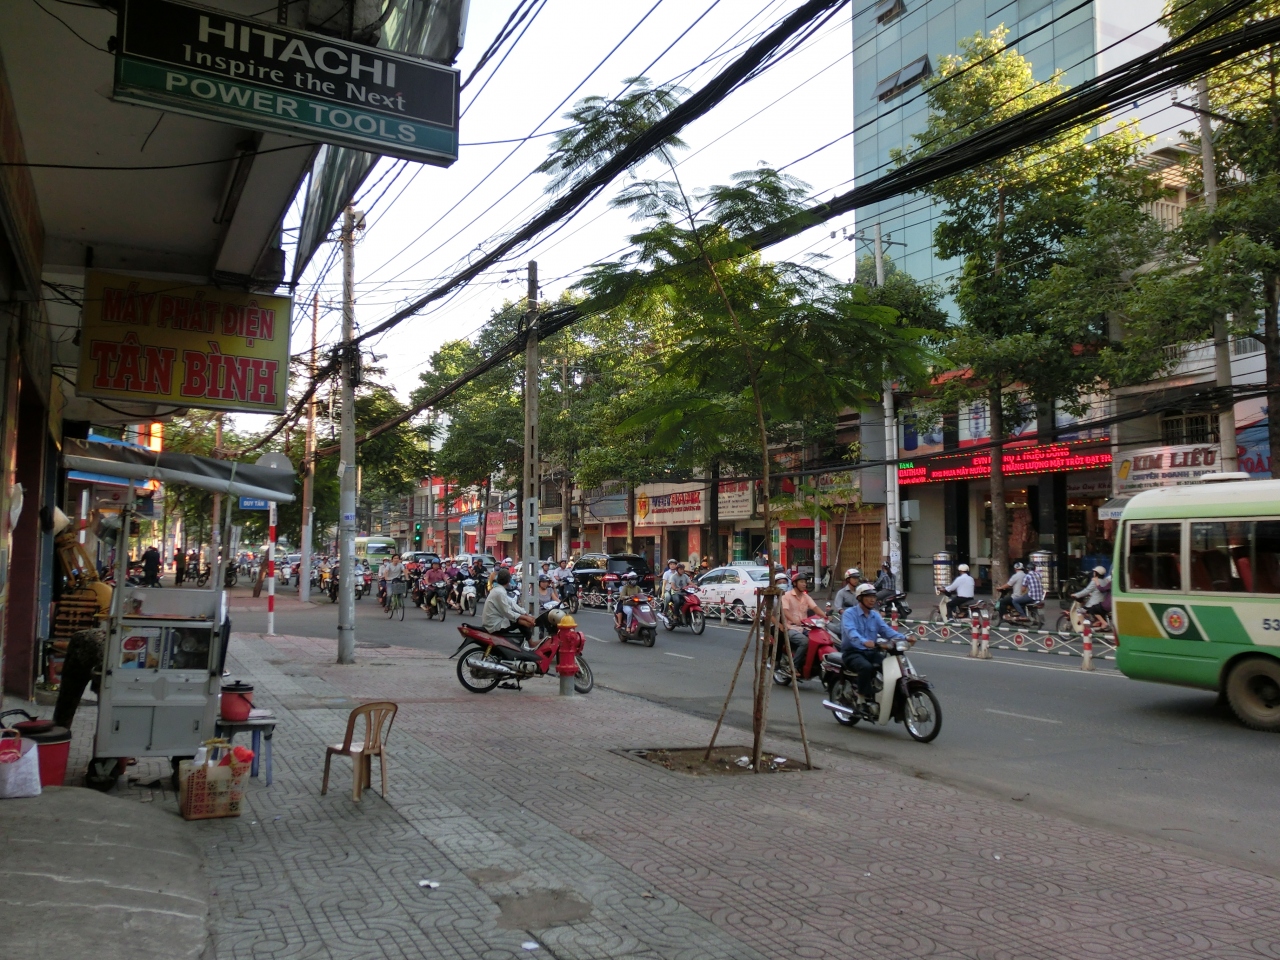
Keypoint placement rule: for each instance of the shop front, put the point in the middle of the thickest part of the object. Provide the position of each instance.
(669, 519)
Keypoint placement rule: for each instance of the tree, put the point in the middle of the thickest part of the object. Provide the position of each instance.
(1007, 221)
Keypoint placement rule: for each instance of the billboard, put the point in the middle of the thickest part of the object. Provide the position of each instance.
(661, 504)
(252, 73)
(1150, 467)
(1022, 461)
(159, 341)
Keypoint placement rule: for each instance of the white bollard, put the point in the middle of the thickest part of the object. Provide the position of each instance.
(973, 634)
(1086, 651)
(984, 649)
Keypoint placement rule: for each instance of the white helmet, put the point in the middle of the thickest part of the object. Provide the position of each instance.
(853, 572)
(963, 568)
(780, 578)
(1100, 570)
(863, 590)
(1017, 566)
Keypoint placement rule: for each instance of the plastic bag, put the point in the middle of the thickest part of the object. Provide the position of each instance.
(21, 778)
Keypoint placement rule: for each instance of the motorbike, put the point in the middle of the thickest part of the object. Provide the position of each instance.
(468, 604)
(690, 614)
(1006, 612)
(898, 602)
(901, 694)
(821, 643)
(438, 600)
(644, 622)
(569, 594)
(333, 587)
(964, 612)
(492, 659)
(1072, 620)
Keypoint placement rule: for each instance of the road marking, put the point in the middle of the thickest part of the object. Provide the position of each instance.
(1014, 663)
(680, 655)
(596, 639)
(1021, 716)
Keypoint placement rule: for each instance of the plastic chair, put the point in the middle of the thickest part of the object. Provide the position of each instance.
(363, 751)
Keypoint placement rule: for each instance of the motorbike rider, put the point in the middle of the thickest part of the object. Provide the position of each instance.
(1017, 587)
(545, 592)
(844, 599)
(796, 606)
(884, 583)
(1096, 597)
(667, 576)
(501, 615)
(960, 590)
(1035, 589)
(627, 599)
(863, 629)
(478, 575)
(562, 572)
(675, 589)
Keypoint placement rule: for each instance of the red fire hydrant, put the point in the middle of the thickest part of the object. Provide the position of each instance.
(569, 644)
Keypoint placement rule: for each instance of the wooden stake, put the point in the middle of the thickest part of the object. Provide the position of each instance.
(751, 634)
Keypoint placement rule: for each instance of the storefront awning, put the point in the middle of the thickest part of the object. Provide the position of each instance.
(219, 476)
(1112, 509)
(506, 536)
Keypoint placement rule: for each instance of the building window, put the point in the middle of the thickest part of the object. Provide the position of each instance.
(887, 10)
(1179, 428)
(908, 76)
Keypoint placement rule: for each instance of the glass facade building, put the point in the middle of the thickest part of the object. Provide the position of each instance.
(899, 43)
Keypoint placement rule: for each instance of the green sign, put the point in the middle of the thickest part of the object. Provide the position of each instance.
(252, 73)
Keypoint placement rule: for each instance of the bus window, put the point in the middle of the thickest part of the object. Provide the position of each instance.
(1155, 556)
(1266, 564)
(1221, 555)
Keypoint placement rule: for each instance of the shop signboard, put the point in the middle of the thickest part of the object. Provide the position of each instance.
(161, 342)
(670, 504)
(1020, 461)
(1150, 467)
(252, 73)
(737, 499)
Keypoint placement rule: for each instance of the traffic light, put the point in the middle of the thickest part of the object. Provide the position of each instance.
(417, 534)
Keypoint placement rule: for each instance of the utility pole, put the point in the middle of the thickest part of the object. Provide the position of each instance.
(308, 468)
(529, 547)
(566, 485)
(347, 460)
(1221, 342)
(215, 539)
(891, 508)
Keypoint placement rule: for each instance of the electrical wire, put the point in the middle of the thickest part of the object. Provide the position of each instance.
(157, 166)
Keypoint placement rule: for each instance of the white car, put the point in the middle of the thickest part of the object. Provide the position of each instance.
(735, 587)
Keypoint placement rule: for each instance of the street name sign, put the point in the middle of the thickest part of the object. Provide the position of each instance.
(253, 503)
(252, 73)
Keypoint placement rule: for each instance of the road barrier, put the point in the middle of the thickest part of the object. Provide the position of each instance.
(985, 637)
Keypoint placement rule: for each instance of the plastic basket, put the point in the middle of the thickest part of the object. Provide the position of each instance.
(211, 790)
(398, 588)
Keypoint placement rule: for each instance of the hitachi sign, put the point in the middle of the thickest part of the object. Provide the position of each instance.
(271, 46)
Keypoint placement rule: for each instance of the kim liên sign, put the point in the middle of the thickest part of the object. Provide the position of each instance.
(1045, 458)
(206, 63)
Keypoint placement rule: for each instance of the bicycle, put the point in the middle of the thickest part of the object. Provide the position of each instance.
(395, 598)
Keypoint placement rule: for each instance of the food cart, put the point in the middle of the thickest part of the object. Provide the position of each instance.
(165, 649)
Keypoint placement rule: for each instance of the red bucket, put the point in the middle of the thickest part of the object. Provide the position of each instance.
(54, 745)
(237, 701)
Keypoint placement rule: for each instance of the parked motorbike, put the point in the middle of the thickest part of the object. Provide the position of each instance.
(898, 602)
(491, 659)
(901, 694)
(644, 622)
(689, 615)
(821, 643)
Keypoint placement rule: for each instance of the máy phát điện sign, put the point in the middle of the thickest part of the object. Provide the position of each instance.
(160, 341)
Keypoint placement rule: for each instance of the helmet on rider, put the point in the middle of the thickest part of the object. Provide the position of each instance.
(631, 575)
(963, 568)
(853, 573)
(780, 578)
(544, 579)
(1017, 566)
(1100, 571)
(436, 562)
(554, 617)
(864, 589)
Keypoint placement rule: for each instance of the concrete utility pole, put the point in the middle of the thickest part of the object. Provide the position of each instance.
(308, 468)
(1221, 343)
(215, 539)
(891, 508)
(347, 460)
(529, 546)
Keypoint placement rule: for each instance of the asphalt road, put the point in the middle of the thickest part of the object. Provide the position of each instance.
(1149, 760)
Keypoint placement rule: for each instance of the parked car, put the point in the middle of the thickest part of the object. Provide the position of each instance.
(734, 586)
(591, 569)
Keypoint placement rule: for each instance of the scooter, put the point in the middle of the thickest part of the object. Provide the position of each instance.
(821, 643)
(1006, 612)
(690, 614)
(468, 605)
(644, 623)
(333, 587)
(569, 593)
(901, 694)
(964, 612)
(494, 659)
(897, 601)
(438, 600)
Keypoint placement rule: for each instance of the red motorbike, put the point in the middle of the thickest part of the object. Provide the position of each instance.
(821, 643)
(689, 613)
(491, 659)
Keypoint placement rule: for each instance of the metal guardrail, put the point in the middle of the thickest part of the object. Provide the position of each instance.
(982, 638)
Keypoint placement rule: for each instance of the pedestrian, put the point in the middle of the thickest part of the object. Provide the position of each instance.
(151, 567)
(179, 568)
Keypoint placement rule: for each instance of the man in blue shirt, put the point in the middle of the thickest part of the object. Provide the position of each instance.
(863, 628)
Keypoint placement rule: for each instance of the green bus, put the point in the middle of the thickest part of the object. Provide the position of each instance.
(1196, 592)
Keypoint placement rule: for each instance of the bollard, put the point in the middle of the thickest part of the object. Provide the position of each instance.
(973, 633)
(893, 617)
(723, 611)
(984, 650)
(1086, 651)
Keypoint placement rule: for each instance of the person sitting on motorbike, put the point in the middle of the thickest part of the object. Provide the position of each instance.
(562, 572)
(1017, 587)
(863, 629)
(667, 575)
(960, 590)
(796, 606)
(627, 599)
(844, 599)
(501, 615)
(545, 592)
(675, 589)
(1095, 597)
(324, 570)
(478, 575)
(884, 583)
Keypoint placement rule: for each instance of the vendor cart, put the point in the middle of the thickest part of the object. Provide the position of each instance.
(165, 650)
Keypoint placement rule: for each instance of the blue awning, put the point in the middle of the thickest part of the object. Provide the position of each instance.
(80, 476)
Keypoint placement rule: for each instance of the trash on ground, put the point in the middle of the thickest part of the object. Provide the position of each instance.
(530, 945)
(743, 761)
(429, 884)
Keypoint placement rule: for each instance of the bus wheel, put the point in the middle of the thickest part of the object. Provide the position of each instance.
(1253, 690)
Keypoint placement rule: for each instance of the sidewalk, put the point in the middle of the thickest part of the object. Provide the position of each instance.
(538, 833)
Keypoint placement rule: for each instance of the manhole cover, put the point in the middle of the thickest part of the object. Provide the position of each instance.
(724, 761)
(536, 909)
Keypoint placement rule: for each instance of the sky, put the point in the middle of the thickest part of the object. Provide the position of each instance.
(422, 226)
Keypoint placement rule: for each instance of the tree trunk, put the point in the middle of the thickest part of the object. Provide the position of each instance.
(566, 513)
(831, 586)
(713, 517)
(1271, 340)
(485, 484)
(631, 518)
(999, 512)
